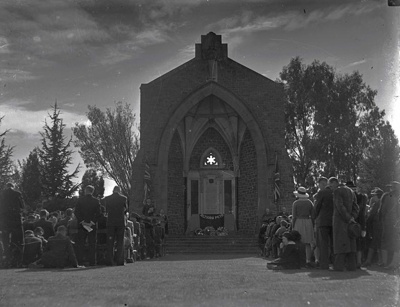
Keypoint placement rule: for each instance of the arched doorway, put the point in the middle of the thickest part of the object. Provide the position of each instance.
(210, 188)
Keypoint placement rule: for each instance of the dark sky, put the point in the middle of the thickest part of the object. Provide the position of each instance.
(91, 52)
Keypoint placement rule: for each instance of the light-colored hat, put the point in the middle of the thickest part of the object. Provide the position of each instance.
(301, 193)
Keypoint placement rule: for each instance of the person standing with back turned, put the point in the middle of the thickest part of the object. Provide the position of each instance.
(87, 211)
(116, 207)
(345, 210)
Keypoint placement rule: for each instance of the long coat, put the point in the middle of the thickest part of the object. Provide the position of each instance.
(116, 207)
(345, 208)
(389, 212)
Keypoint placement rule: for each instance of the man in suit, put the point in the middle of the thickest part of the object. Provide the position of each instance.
(345, 210)
(87, 211)
(323, 222)
(46, 225)
(12, 236)
(116, 207)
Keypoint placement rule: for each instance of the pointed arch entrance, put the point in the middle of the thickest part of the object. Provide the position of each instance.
(210, 107)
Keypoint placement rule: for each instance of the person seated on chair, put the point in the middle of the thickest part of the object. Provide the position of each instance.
(290, 257)
(59, 252)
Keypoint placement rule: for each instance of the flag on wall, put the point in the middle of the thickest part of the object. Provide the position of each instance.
(147, 182)
(277, 181)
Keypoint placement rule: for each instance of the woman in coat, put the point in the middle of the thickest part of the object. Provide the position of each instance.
(303, 220)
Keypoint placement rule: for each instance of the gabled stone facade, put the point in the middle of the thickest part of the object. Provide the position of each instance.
(212, 105)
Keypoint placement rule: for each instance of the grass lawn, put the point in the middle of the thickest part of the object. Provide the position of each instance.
(197, 280)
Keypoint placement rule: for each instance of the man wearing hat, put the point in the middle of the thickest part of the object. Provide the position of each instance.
(12, 236)
(374, 227)
(345, 210)
(390, 216)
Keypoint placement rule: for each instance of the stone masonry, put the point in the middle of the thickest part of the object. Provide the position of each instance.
(257, 100)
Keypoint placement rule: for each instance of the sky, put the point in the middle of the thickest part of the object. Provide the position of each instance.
(97, 52)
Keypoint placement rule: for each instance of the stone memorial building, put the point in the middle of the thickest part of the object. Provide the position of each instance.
(211, 133)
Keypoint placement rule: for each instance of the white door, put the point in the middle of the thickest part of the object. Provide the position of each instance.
(211, 197)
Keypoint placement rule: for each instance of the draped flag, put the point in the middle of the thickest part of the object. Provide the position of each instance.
(147, 182)
(277, 181)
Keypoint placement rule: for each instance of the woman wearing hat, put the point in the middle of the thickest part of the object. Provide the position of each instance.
(303, 220)
(374, 228)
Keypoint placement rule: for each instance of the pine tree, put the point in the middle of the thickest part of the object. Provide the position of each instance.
(94, 178)
(30, 183)
(55, 157)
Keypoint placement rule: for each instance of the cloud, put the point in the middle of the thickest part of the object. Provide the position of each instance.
(17, 75)
(355, 63)
(249, 22)
(4, 45)
(18, 117)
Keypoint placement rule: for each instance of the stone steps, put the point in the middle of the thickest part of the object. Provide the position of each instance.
(235, 244)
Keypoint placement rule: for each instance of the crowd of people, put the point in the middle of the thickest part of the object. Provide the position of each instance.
(338, 228)
(95, 232)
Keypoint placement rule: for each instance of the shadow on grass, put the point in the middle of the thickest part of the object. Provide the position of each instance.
(335, 275)
(66, 270)
(195, 257)
(327, 274)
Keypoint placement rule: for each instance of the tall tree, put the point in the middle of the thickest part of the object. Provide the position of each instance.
(94, 178)
(30, 184)
(6, 164)
(55, 158)
(110, 143)
(325, 113)
(382, 159)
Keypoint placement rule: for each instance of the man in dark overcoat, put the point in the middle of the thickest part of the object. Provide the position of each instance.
(345, 210)
(87, 211)
(389, 214)
(12, 235)
(116, 207)
(323, 222)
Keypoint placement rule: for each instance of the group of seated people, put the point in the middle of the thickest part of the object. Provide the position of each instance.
(49, 239)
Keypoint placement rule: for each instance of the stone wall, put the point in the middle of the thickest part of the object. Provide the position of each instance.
(176, 197)
(211, 138)
(247, 186)
(261, 97)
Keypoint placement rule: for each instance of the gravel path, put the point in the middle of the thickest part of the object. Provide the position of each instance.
(197, 280)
